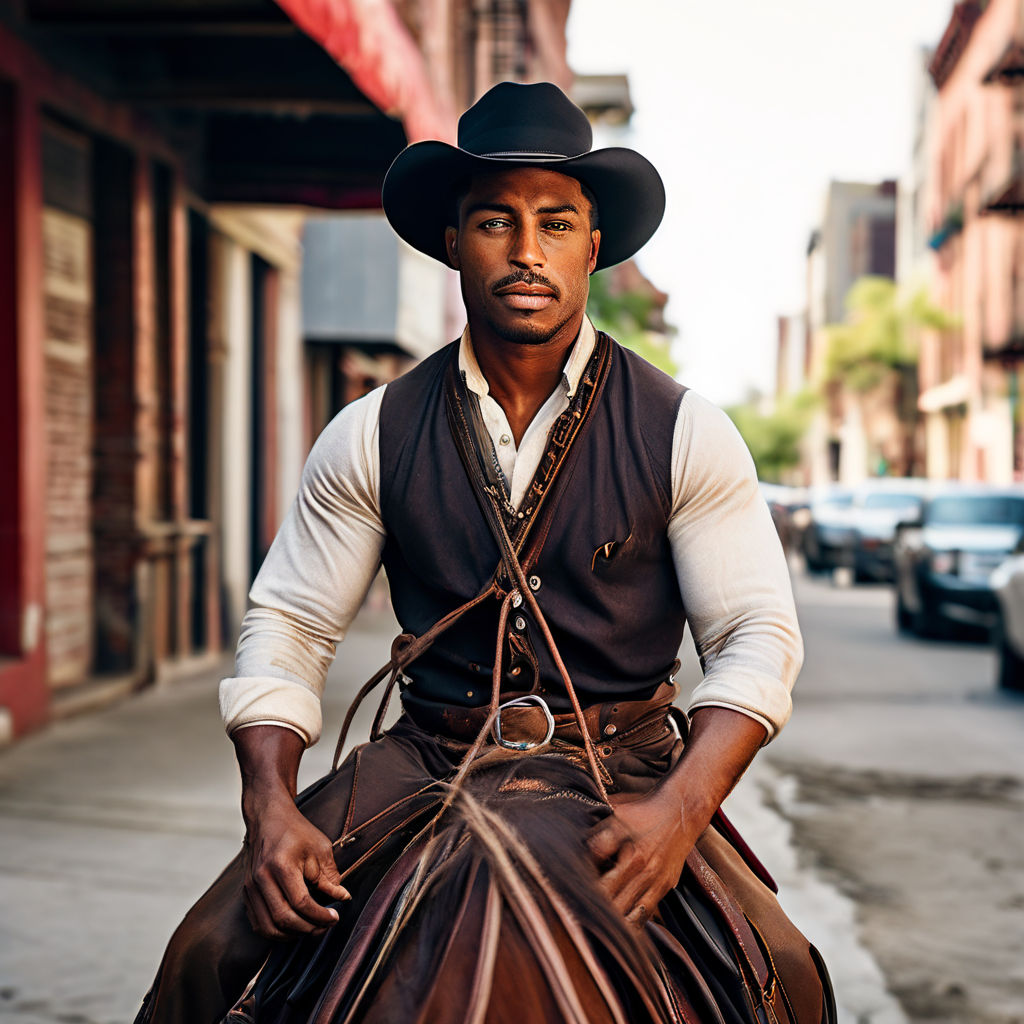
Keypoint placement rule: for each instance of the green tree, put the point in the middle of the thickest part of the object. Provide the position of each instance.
(877, 344)
(774, 437)
(880, 334)
(626, 316)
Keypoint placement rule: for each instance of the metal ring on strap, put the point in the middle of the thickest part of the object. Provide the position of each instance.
(530, 698)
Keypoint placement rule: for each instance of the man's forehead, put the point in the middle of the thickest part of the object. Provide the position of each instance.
(526, 183)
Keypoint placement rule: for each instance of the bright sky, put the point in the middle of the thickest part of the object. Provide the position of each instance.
(748, 109)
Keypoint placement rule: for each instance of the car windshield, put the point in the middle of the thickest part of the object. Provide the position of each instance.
(892, 501)
(980, 509)
(839, 499)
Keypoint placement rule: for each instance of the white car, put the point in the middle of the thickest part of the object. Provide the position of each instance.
(1008, 635)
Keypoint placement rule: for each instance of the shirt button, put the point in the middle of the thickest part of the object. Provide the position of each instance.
(505, 439)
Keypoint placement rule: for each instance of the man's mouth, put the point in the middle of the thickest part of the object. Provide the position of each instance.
(526, 294)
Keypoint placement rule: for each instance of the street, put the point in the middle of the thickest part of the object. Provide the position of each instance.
(902, 774)
(899, 779)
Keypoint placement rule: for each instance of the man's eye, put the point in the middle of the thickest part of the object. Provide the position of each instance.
(494, 222)
(558, 225)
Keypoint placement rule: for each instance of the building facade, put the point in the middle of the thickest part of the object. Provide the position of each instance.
(156, 157)
(852, 436)
(970, 375)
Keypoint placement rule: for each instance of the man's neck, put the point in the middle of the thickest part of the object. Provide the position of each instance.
(520, 377)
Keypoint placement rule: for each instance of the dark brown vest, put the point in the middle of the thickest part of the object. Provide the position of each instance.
(608, 586)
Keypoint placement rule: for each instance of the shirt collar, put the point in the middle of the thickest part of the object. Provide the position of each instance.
(579, 356)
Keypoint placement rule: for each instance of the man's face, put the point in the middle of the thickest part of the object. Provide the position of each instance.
(525, 250)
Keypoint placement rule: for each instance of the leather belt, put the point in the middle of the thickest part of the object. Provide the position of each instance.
(611, 722)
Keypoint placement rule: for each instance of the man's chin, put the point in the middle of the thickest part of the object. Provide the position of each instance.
(525, 332)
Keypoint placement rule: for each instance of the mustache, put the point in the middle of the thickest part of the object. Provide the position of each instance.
(526, 277)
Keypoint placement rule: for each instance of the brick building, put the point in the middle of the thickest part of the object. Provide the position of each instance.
(970, 375)
(153, 157)
(852, 435)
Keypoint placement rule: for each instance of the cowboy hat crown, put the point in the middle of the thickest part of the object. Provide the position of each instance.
(515, 125)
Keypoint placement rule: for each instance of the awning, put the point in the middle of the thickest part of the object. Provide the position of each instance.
(261, 110)
(1008, 196)
(369, 40)
(1009, 68)
(953, 392)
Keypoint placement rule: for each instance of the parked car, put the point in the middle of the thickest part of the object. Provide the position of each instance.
(827, 538)
(878, 505)
(944, 560)
(1008, 633)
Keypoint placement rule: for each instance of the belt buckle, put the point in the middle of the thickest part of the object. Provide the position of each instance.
(530, 698)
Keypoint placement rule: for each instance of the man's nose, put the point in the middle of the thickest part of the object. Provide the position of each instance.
(527, 250)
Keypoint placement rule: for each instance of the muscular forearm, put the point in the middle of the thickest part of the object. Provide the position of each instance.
(286, 856)
(720, 747)
(268, 758)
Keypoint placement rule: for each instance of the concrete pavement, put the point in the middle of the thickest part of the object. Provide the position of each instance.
(903, 778)
(111, 824)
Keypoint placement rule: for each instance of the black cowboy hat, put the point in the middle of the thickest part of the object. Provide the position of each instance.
(523, 126)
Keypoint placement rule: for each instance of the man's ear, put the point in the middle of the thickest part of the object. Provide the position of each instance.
(451, 244)
(595, 245)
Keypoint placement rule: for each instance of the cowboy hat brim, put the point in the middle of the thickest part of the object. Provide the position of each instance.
(420, 190)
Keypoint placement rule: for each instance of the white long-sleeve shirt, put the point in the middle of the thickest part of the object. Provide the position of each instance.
(731, 569)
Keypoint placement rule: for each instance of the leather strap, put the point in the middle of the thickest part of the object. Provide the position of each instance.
(527, 527)
(458, 403)
(555, 465)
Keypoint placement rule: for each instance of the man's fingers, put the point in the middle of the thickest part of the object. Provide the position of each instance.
(608, 842)
(324, 877)
(619, 878)
(301, 904)
(640, 913)
(259, 913)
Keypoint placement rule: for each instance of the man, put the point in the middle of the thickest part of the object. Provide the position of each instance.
(563, 508)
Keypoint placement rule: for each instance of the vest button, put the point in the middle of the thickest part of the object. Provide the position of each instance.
(534, 582)
(610, 730)
(520, 623)
(517, 599)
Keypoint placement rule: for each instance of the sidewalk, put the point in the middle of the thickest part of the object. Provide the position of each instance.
(112, 824)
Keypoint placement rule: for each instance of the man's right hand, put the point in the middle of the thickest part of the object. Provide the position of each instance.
(286, 856)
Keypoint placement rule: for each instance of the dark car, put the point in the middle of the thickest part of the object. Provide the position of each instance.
(944, 560)
(827, 537)
(1008, 632)
(878, 506)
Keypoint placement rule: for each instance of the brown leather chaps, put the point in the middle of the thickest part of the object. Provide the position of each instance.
(489, 910)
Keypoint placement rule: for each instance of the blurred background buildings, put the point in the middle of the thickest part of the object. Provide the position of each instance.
(923, 378)
(196, 275)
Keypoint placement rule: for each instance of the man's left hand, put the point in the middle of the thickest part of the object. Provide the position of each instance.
(641, 849)
(642, 846)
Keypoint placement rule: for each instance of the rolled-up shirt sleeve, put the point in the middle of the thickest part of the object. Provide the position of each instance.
(313, 580)
(732, 571)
